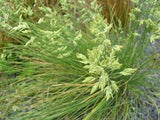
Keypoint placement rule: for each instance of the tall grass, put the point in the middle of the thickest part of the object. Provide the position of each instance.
(72, 64)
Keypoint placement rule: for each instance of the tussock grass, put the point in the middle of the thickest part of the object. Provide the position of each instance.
(75, 65)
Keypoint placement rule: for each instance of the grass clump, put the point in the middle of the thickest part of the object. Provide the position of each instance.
(75, 65)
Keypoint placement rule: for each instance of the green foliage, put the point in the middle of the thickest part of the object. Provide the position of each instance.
(71, 64)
